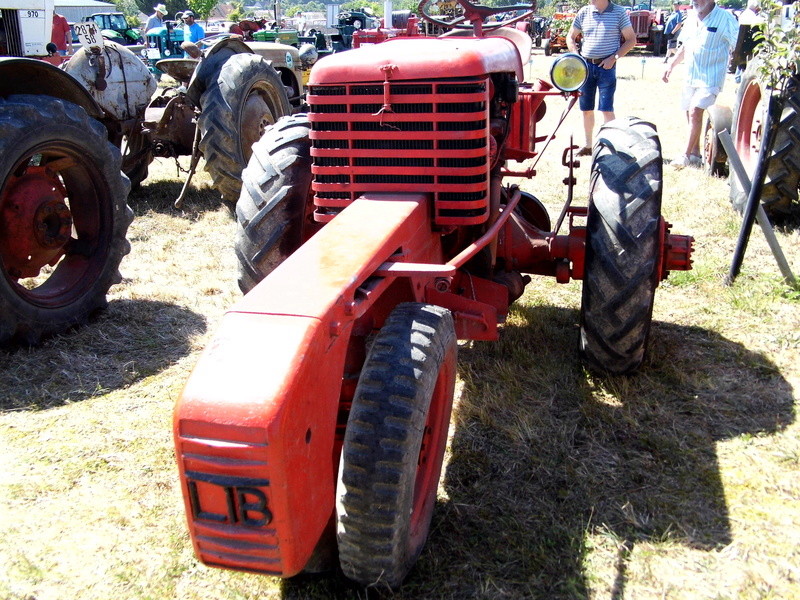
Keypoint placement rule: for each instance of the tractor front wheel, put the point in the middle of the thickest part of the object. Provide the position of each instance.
(63, 217)
(275, 210)
(622, 246)
(247, 97)
(547, 47)
(394, 445)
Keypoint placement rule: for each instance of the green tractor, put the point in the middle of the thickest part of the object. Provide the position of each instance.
(115, 27)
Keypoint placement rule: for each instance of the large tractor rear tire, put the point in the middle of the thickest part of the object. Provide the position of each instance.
(275, 209)
(247, 97)
(780, 191)
(622, 246)
(394, 445)
(63, 217)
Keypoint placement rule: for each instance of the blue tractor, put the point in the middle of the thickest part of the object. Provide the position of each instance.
(163, 42)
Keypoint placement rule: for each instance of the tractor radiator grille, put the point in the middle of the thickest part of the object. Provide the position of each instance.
(404, 137)
(11, 42)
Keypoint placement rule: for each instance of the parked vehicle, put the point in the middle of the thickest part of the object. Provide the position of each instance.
(555, 36)
(648, 25)
(374, 230)
(114, 27)
(746, 121)
(63, 210)
(74, 140)
(233, 91)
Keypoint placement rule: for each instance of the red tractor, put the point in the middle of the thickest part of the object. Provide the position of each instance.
(374, 232)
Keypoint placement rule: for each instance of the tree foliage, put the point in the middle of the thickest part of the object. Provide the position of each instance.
(202, 8)
(780, 44)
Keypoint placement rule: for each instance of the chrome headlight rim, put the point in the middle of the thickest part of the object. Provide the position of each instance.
(570, 59)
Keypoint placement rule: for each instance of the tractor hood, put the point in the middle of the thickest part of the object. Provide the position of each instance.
(417, 58)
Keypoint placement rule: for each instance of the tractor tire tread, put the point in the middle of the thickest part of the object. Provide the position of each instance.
(379, 441)
(219, 122)
(48, 118)
(622, 246)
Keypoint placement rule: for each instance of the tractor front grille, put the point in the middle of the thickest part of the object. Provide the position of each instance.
(402, 137)
(11, 42)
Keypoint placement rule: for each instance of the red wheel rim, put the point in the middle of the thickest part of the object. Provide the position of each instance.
(54, 230)
(749, 126)
(431, 453)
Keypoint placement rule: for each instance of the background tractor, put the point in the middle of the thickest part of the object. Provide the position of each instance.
(648, 25)
(224, 98)
(73, 140)
(115, 28)
(374, 231)
(63, 211)
(555, 35)
(746, 122)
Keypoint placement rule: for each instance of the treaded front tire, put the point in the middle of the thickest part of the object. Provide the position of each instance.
(246, 98)
(622, 246)
(275, 210)
(63, 217)
(394, 445)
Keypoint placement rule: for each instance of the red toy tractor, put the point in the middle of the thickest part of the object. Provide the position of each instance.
(374, 232)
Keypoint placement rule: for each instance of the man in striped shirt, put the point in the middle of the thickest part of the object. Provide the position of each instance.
(706, 40)
(601, 25)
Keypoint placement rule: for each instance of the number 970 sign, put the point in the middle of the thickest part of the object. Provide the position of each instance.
(88, 34)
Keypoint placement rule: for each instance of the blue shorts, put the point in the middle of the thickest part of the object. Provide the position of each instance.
(601, 79)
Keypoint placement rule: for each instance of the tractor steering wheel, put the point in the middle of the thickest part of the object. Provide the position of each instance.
(454, 13)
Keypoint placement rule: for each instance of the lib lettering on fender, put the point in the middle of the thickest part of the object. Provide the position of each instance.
(245, 503)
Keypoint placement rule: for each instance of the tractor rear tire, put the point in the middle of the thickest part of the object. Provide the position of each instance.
(63, 217)
(780, 191)
(622, 246)
(275, 209)
(247, 97)
(715, 159)
(394, 445)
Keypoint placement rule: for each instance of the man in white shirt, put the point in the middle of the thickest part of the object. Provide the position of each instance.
(706, 41)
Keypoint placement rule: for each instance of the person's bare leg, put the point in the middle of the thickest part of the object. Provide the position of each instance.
(588, 126)
(695, 118)
(608, 116)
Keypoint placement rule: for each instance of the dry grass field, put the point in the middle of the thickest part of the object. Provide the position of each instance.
(679, 482)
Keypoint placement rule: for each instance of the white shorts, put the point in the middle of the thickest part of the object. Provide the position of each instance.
(698, 97)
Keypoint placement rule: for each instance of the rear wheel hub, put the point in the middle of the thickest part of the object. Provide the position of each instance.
(36, 222)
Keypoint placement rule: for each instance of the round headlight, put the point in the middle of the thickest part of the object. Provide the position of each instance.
(167, 52)
(569, 72)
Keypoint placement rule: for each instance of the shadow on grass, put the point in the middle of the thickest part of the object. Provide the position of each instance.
(546, 457)
(566, 454)
(129, 341)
